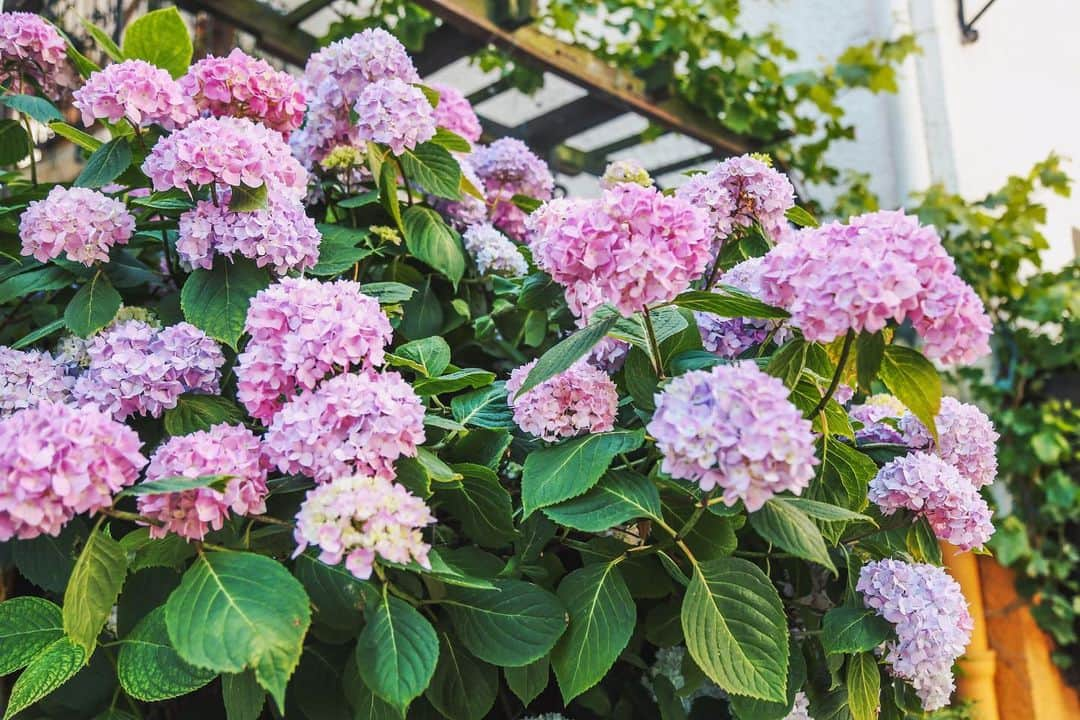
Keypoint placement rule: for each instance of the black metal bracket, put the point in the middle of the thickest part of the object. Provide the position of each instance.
(968, 33)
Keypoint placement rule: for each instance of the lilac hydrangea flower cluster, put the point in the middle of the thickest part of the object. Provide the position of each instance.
(734, 427)
(581, 399)
(966, 439)
(731, 337)
(227, 151)
(739, 191)
(30, 377)
(360, 519)
(933, 625)
(57, 461)
(879, 267)
(280, 235)
(239, 85)
(507, 167)
(301, 330)
(455, 113)
(493, 252)
(609, 354)
(928, 486)
(80, 222)
(222, 450)
(351, 423)
(632, 247)
(469, 210)
(625, 171)
(394, 113)
(137, 369)
(136, 91)
(873, 413)
(33, 55)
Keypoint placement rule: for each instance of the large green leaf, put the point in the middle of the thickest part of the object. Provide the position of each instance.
(745, 708)
(452, 382)
(149, 668)
(463, 688)
(338, 596)
(558, 473)
(863, 686)
(161, 38)
(37, 280)
(528, 681)
(789, 528)
(481, 504)
(317, 687)
(843, 475)
(366, 705)
(106, 164)
(509, 627)
(49, 669)
(337, 249)
(914, 381)
(36, 107)
(47, 561)
(243, 198)
(432, 241)
(14, 142)
(95, 584)
(567, 352)
(735, 628)
(434, 169)
(485, 408)
(428, 356)
(852, 630)
(730, 303)
(216, 300)
(27, 626)
(620, 496)
(824, 511)
(93, 306)
(242, 696)
(237, 610)
(177, 484)
(602, 617)
(201, 412)
(397, 652)
(85, 141)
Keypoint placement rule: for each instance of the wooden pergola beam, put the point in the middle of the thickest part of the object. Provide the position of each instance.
(554, 127)
(269, 27)
(443, 46)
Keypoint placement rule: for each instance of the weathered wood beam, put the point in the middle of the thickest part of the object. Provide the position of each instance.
(443, 46)
(268, 26)
(489, 91)
(582, 67)
(684, 164)
(302, 12)
(545, 132)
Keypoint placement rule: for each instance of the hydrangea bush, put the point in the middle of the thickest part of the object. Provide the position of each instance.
(312, 405)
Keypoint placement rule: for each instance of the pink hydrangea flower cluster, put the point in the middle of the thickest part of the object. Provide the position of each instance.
(469, 210)
(360, 519)
(239, 85)
(933, 625)
(625, 171)
(136, 91)
(507, 167)
(873, 413)
(631, 247)
(966, 439)
(333, 80)
(33, 55)
(879, 267)
(395, 113)
(227, 151)
(928, 486)
(740, 191)
(734, 427)
(493, 252)
(581, 399)
(455, 113)
(137, 369)
(222, 450)
(30, 377)
(57, 461)
(81, 222)
(351, 423)
(301, 330)
(280, 235)
(731, 337)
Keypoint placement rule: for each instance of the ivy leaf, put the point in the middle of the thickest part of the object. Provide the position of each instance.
(106, 164)
(485, 408)
(93, 306)
(237, 610)
(602, 618)
(200, 412)
(735, 628)
(619, 497)
(216, 300)
(463, 688)
(853, 630)
(148, 667)
(247, 199)
(161, 38)
(49, 669)
(434, 169)
(33, 106)
(863, 686)
(554, 474)
(914, 381)
(510, 627)
(397, 652)
(731, 303)
(14, 142)
(27, 626)
(95, 583)
(791, 529)
(528, 681)
(481, 504)
(431, 241)
(567, 352)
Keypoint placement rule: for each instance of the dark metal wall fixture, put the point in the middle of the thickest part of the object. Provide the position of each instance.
(967, 27)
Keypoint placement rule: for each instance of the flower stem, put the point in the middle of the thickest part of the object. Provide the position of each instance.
(33, 148)
(844, 353)
(653, 344)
